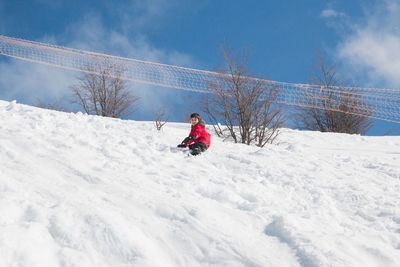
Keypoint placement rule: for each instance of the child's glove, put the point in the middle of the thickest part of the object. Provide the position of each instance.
(187, 139)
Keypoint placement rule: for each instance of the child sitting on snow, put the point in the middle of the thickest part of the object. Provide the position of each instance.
(198, 136)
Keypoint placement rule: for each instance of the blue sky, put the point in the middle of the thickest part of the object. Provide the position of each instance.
(282, 36)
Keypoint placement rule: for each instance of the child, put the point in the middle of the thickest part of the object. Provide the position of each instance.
(198, 136)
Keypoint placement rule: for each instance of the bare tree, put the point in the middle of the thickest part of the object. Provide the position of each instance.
(55, 105)
(241, 107)
(102, 91)
(161, 118)
(332, 111)
(392, 131)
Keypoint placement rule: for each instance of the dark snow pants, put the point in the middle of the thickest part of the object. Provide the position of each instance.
(197, 148)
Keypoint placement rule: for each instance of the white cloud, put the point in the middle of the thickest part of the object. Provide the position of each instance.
(145, 13)
(30, 81)
(372, 50)
(331, 13)
(141, 15)
(90, 34)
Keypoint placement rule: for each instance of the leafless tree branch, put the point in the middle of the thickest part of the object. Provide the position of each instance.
(101, 90)
(161, 118)
(244, 106)
(332, 111)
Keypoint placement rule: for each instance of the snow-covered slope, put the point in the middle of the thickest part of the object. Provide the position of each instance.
(78, 190)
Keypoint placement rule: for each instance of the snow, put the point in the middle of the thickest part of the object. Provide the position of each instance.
(79, 190)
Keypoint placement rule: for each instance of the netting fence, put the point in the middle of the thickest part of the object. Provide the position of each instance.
(378, 103)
